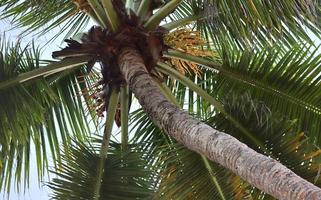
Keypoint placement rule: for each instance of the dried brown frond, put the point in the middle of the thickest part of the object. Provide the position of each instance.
(190, 42)
(82, 5)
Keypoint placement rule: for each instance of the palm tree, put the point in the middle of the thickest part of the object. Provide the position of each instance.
(255, 76)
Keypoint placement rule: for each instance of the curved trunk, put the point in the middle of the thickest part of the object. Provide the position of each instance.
(260, 171)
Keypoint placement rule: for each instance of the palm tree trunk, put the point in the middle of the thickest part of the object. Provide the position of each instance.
(260, 171)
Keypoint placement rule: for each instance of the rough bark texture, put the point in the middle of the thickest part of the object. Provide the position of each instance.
(260, 171)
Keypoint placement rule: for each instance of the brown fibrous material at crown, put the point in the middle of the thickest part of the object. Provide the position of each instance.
(104, 46)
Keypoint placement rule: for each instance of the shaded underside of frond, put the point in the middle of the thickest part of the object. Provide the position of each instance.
(127, 175)
(287, 82)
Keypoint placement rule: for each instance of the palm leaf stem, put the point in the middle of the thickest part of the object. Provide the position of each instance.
(187, 57)
(163, 12)
(181, 22)
(172, 72)
(99, 11)
(84, 92)
(213, 177)
(217, 105)
(129, 4)
(132, 5)
(112, 16)
(211, 65)
(112, 106)
(143, 8)
(43, 71)
(94, 16)
(167, 92)
(124, 105)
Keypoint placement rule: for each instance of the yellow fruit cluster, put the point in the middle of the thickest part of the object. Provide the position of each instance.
(190, 42)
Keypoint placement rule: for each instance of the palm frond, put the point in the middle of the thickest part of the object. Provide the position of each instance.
(288, 83)
(161, 14)
(127, 174)
(22, 111)
(125, 101)
(37, 114)
(42, 16)
(252, 22)
(185, 176)
(287, 80)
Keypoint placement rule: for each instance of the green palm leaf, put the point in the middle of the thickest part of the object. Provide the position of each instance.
(186, 177)
(127, 174)
(22, 111)
(36, 114)
(250, 22)
(43, 16)
(288, 83)
(287, 80)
